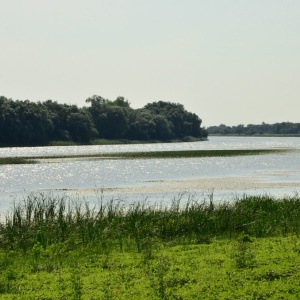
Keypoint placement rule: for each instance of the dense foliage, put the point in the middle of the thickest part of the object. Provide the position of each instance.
(25, 123)
(284, 128)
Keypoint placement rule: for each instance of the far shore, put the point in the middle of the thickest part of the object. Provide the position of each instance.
(256, 135)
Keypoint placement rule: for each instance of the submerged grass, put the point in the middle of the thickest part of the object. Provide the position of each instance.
(126, 141)
(191, 153)
(144, 155)
(16, 160)
(60, 248)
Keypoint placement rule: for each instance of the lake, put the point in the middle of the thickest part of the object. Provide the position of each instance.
(155, 179)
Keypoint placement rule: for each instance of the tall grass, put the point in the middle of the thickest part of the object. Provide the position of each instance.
(46, 220)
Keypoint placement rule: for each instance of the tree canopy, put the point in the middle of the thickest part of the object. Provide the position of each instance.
(26, 123)
(283, 128)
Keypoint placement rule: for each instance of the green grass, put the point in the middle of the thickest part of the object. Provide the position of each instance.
(57, 248)
(269, 270)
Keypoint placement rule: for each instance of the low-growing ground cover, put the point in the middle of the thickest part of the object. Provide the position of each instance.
(245, 249)
(266, 268)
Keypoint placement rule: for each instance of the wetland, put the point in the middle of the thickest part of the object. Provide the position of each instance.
(205, 220)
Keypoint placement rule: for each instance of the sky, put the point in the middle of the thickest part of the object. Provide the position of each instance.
(230, 62)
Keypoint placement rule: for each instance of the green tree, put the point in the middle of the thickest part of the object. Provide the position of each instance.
(111, 118)
(81, 127)
(142, 126)
(182, 122)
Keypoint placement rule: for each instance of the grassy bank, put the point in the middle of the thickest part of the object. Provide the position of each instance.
(56, 248)
(146, 155)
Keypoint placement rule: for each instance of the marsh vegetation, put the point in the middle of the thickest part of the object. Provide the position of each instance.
(246, 248)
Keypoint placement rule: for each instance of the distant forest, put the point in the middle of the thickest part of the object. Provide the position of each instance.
(26, 123)
(284, 128)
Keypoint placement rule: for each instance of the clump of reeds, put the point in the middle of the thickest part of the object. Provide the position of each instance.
(73, 223)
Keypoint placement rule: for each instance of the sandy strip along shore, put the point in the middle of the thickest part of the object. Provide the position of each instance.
(200, 184)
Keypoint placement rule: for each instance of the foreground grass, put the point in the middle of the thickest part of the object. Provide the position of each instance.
(55, 248)
(265, 268)
(146, 155)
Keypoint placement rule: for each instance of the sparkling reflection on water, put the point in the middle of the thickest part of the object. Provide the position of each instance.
(17, 181)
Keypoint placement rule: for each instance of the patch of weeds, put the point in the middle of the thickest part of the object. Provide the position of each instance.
(203, 240)
(147, 250)
(243, 254)
(7, 281)
(159, 282)
(246, 239)
(76, 282)
(272, 275)
(105, 263)
(296, 245)
(107, 291)
(62, 287)
(37, 253)
(45, 259)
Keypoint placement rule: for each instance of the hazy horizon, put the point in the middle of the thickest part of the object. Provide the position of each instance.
(230, 62)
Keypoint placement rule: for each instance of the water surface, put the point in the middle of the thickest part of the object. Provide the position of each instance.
(71, 177)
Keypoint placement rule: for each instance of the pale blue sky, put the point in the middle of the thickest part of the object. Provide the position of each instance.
(229, 61)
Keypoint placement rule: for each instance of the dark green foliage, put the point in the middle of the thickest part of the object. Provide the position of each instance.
(180, 122)
(25, 123)
(81, 127)
(110, 117)
(284, 128)
(142, 125)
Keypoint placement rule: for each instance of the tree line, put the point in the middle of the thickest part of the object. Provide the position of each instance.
(283, 128)
(26, 123)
